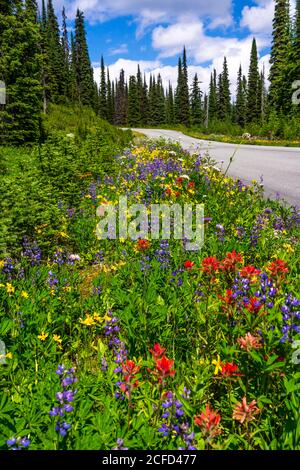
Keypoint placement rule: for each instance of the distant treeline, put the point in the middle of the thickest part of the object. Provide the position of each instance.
(41, 64)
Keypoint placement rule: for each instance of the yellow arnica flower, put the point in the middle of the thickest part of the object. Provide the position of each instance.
(43, 336)
(24, 294)
(57, 339)
(88, 321)
(2, 263)
(9, 355)
(10, 288)
(218, 364)
(288, 248)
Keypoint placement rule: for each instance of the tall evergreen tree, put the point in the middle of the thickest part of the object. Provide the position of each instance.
(121, 101)
(240, 105)
(145, 104)
(196, 103)
(103, 92)
(133, 103)
(66, 53)
(54, 56)
(224, 96)
(110, 104)
(83, 68)
(178, 92)
(212, 97)
(280, 92)
(170, 115)
(20, 69)
(184, 101)
(253, 105)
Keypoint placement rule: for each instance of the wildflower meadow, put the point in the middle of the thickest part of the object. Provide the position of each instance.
(143, 344)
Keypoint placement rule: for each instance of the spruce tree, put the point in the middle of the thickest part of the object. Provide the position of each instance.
(240, 105)
(170, 115)
(224, 101)
(212, 97)
(253, 105)
(294, 56)
(103, 92)
(54, 56)
(280, 92)
(121, 101)
(110, 104)
(196, 103)
(133, 103)
(20, 69)
(66, 54)
(184, 91)
(178, 92)
(145, 104)
(83, 68)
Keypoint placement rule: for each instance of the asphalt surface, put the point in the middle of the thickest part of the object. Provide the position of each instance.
(278, 167)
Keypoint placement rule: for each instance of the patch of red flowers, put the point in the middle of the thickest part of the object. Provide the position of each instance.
(191, 185)
(227, 299)
(231, 262)
(210, 265)
(229, 370)
(157, 351)
(278, 268)
(209, 422)
(164, 368)
(253, 306)
(249, 272)
(189, 264)
(143, 244)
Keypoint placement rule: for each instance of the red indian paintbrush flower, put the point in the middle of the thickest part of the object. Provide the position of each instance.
(250, 342)
(191, 185)
(229, 370)
(164, 367)
(228, 297)
(231, 261)
(210, 265)
(157, 351)
(209, 422)
(249, 272)
(143, 244)
(189, 264)
(245, 413)
(253, 306)
(278, 268)
(129, 369)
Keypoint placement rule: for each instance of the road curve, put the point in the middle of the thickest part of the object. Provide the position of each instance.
(279, 167)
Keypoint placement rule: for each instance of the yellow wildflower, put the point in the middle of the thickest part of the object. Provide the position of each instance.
(88, 321)
(288, 248)
(2, 263)
(24, 294)
(57, 339)
(43, 336)
(9, 355)
(218, 364)
(10, 288)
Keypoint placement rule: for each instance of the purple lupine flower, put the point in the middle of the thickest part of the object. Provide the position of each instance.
(65, 397)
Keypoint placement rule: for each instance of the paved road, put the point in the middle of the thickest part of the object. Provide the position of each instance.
(278, 166)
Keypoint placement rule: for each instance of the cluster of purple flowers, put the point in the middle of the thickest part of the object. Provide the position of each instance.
(240, 290)
(60, 258)
(92, 190)
(119, 446)
(220, 233)
(19, 443)
(99, 257)
(145, 264)
(65, 398)
(174, 421)
(267, 291)
(52, 280)
(163, 254)
(31, 252)
(176, 277)
(112, 330)
(12, 270)
(262, 221)
(291, 318)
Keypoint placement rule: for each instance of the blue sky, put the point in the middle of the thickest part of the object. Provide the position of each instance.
(153, 32)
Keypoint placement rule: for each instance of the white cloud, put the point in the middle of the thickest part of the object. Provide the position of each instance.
(122, 49)
(258, 19)
(150, 11)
